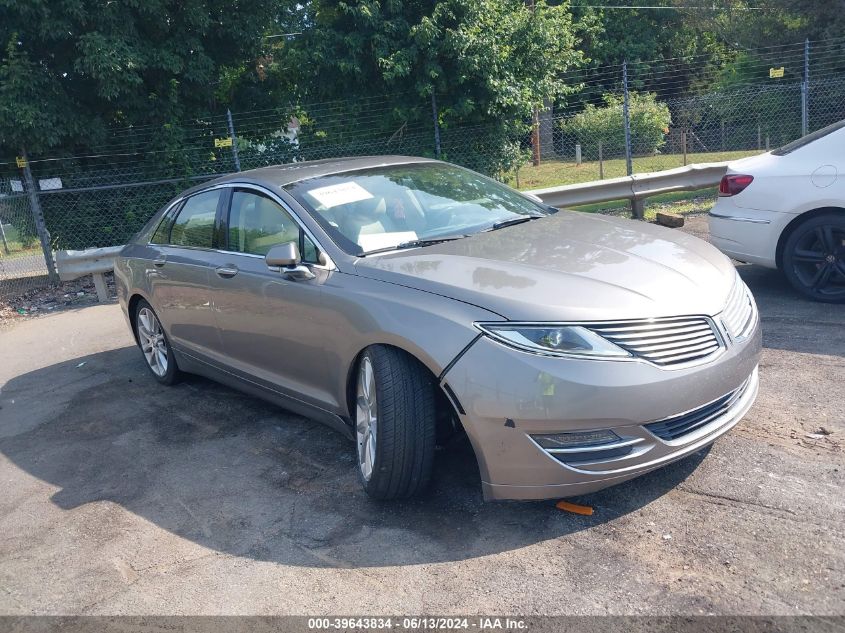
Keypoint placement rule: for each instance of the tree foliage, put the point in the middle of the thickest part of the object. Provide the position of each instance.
(487, 62)
(650, 120)
(70, 69)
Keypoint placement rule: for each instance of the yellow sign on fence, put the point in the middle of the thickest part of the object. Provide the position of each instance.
(775, 73)
(21, 161)
(223, 142)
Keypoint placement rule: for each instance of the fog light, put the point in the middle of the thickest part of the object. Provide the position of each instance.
(577, 439)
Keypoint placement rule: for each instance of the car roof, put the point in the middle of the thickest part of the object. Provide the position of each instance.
(282, 175)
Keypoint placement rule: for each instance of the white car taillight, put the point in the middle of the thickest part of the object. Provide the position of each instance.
(732, 184)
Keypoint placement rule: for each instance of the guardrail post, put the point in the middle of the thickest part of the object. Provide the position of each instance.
(101, 287)
(38, 218)
(638, 208)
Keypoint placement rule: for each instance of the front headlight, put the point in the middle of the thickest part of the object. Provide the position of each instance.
(553, 340)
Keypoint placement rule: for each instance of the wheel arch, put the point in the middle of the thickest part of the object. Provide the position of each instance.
(446, 407)
(131, 309)
(795, 223)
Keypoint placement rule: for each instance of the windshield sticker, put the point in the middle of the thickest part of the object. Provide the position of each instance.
(343, 193)
(374, 241)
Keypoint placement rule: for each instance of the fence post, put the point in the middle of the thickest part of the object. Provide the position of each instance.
(234, 140)
(601, 163)
(3, 235)
(577, 153)
(535, 136)
(684, 146)
(637, 205)
(723, 136)
(436, 118)
(759, 136)
(805, 89)
(627, 119)
(38, 218)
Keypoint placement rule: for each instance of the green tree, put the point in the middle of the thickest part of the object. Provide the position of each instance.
(487, 62)
(70, 69)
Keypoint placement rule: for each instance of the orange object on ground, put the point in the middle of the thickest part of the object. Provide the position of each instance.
(574, 507)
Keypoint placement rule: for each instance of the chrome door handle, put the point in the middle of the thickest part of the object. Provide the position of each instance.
(160, 261)
(226, 271)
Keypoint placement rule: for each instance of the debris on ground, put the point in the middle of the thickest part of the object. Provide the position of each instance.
(672, 220)
(42, 301)
(574, 508)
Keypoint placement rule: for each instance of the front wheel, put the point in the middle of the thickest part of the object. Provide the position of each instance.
(154, 344)
(394, 423)
(814, 258)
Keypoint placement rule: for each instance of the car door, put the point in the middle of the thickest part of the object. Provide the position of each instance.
(179, 273)
(270, 324)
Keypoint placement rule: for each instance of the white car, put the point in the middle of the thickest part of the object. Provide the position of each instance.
(786, 209)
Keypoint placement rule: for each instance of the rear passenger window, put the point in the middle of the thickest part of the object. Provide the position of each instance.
(194, 226)
(162, 233)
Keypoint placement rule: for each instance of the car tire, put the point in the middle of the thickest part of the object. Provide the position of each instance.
(395, 421)
(155, 347)
(814, 258)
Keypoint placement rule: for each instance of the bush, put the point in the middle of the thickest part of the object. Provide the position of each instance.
(650, 120)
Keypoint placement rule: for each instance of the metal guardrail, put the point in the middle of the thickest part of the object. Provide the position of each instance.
(98, 261)
(93, 261)
(635, 188)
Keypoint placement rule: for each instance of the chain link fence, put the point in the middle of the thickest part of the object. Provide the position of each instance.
(103, 197)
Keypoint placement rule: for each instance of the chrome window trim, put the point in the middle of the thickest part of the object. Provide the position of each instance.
(330, 265)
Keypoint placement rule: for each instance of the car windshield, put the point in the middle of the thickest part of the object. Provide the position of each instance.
(382, 208)
(809, 138)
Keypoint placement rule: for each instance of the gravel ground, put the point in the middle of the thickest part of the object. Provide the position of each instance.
(125, 497)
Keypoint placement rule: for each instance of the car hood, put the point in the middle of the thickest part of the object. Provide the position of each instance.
(568, 267)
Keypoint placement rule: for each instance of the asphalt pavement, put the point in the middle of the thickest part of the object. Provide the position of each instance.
(121, 496)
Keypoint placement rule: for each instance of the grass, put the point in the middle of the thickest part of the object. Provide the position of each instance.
(15, 247)
(679, 202)
(556, 173)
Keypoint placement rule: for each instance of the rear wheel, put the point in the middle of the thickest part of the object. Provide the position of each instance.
(154, 344)
(394, 423)
(814, 258)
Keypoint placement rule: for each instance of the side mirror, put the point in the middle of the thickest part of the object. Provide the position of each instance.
(286, 256)
(283, 255)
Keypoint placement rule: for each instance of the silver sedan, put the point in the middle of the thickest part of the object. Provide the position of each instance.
(403, 301)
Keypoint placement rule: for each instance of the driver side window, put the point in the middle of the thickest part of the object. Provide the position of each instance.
(257, 223)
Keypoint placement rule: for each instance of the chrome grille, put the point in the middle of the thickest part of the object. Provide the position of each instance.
(678, 425)
(664, 342)
(738, 315)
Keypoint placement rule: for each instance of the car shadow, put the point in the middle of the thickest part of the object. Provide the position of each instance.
(240, 476)
(786, 315)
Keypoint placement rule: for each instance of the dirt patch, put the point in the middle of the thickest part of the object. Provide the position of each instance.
(39, 302)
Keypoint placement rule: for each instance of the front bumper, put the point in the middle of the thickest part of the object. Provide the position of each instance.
(510, 395)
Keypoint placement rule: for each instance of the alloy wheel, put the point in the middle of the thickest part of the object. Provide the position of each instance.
(153, 343)
(818, 261)
(366, 418)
